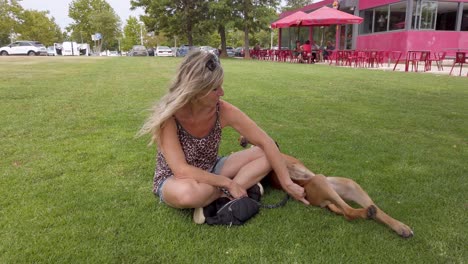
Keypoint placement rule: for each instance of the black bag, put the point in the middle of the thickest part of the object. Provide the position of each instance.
(234, 212)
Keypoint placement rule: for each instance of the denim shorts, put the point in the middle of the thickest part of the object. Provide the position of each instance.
(215, 170)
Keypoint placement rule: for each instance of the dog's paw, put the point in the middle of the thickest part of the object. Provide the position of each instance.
(371, 212)
(243, 141)
(405, 231)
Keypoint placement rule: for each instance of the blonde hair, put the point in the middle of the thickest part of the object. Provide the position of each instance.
(198, 74)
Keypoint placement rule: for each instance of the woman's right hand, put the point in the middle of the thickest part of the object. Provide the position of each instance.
(236, 190)
(297, 192)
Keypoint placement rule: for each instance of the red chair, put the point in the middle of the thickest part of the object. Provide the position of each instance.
(285, 55)
(254, 54)
(438, 57)
(355, 57)
(382, 56)
(395, 56)
(275, 55)
(415, 60)
(263, 54)
(339, 57)
(460, 58)
(331, 56)
(372, 59)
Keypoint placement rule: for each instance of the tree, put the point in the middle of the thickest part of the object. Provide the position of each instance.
(131, 33)
(10, 11)
(174, 17)
(107, 23)
(93, 16)
(38, 26)
(256, 15)
(221, 15)
(295, 4)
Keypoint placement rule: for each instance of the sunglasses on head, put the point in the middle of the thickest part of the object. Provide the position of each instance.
(212, 63)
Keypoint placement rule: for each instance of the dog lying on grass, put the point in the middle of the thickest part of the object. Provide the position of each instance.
(330, 192)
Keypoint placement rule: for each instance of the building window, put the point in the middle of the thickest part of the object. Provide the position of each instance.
(381, 19)
(464, 23)
(446, 16)
(424, 14)
(397, 16)
(384, 18)
(366, 26)
(427, 15)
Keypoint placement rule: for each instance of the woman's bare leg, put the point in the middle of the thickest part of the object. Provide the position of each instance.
(187, 193)
(246, 167)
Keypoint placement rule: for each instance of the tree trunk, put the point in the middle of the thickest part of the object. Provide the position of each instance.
(189, 23)
(246, 43)
(222, 34)
(246, 29)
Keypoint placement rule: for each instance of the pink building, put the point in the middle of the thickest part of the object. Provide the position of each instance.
(394, 25)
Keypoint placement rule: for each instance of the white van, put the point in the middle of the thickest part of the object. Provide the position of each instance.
(70, 49)
(84, 49)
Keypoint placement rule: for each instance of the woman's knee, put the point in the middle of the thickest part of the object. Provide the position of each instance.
(188, 195)
(257, 153)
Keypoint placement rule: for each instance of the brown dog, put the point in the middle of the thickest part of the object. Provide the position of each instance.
(331, 192)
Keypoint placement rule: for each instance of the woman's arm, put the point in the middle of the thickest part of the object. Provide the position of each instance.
(232, 116)
(170, 147)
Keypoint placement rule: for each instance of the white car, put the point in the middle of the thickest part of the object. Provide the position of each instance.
(24, 47)
(163, 51)
(210, 50)
(51, 51)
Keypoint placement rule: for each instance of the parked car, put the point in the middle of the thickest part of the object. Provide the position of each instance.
(113, 53)
(174, 51)
(163, 51)
(24, 47)
(239, 52)
(230, 51)
(184, 49)
(210, 50)
(151, 52)
(51, 51)
(138, 50)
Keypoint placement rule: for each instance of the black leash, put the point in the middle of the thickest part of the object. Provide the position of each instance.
(267, 206)
(272, 206)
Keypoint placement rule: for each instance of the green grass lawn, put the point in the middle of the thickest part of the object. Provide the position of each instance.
(75, 184)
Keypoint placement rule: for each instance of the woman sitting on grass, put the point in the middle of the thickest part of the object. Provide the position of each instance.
(186, 125)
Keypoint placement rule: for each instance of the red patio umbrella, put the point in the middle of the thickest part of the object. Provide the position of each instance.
(292, 20)
(325, 16)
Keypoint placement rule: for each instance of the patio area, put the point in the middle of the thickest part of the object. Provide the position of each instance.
(419, 62)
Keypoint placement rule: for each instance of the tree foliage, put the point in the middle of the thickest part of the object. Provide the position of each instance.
(198, 19)
(38, 26)
(256, 15)
(221, 18)
(131, 34)
(295, 4)
(93, 16)
(174, 17)
(10, 11)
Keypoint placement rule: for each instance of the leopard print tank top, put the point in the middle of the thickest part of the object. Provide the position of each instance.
(199, 152)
